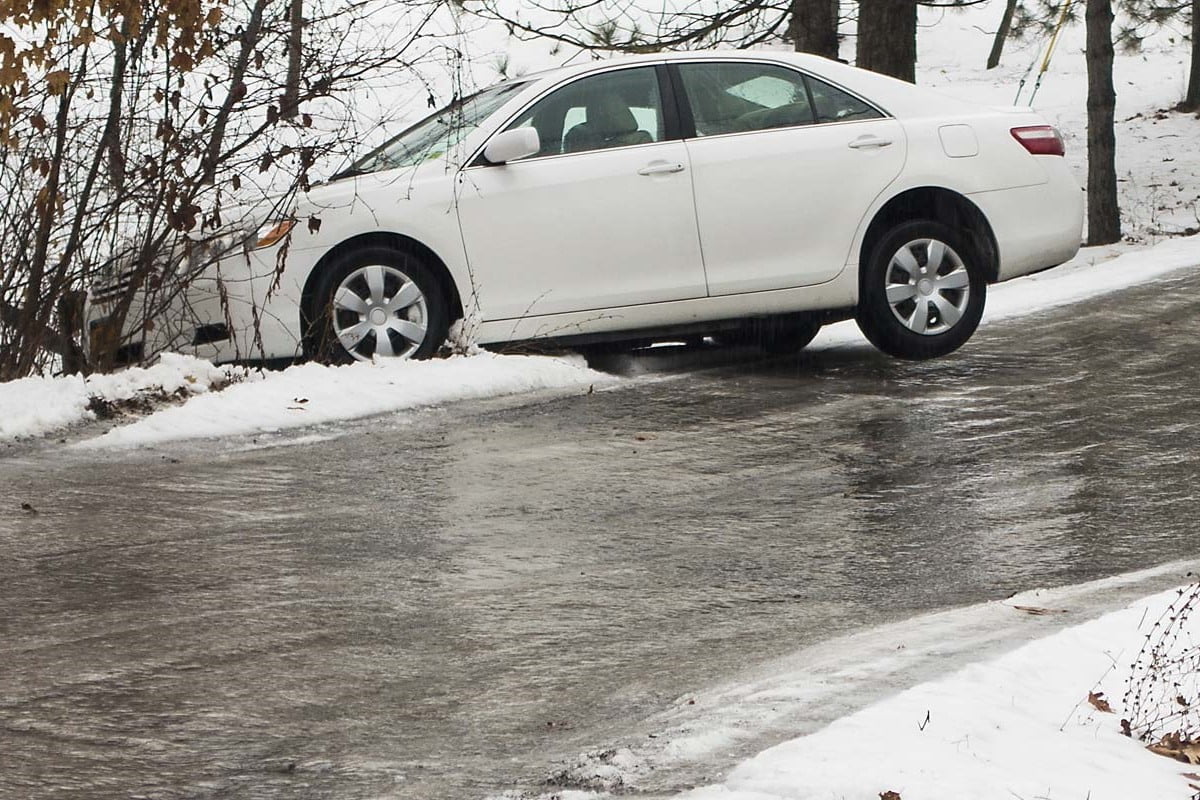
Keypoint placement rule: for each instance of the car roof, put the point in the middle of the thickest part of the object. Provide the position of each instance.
(626, 59)
(899, 97)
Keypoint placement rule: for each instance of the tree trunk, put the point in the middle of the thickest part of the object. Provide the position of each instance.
(887, 37)
(1104, 215)
(290, 105)
(1002, 34)
(813, 27)
(1192, 101)
(70, 330)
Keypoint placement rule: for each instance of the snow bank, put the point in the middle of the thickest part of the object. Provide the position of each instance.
(1084, 278)
(1017, 726)
(310, 394)
(35, 406)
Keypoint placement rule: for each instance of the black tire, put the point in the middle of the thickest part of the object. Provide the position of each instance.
(774, 335)
(952, 302)
(351, 272)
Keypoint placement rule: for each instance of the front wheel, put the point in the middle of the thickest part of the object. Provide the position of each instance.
(379, 303)
(922, 291)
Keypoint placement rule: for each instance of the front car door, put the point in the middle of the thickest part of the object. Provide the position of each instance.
(784, 167)
(602, 217)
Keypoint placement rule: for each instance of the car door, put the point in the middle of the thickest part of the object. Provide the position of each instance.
(601, 217)
(783, 166)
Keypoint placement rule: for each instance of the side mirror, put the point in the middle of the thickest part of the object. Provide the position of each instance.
(512, 145)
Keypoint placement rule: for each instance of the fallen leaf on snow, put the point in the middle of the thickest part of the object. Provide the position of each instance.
(1098, 702)
(1174, 746)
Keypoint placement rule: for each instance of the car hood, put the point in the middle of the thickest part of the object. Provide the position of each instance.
(396, 184)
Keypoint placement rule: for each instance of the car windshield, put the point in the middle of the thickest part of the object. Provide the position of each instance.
(433, 136)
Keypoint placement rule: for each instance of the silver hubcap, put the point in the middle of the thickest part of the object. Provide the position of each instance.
(927, 286)
(379, 311)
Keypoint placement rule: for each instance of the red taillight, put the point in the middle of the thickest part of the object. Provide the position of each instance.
(1040, 140)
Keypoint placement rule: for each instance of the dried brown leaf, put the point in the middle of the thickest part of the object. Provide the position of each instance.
(56, 81)
(1179, 748)
(1099, 703)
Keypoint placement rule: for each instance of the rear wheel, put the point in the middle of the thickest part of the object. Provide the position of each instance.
(922, 291)
(379, 303)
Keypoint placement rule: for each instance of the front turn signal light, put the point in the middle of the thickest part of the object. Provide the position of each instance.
(271, 234)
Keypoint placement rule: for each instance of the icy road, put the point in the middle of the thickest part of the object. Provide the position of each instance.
(456, 603)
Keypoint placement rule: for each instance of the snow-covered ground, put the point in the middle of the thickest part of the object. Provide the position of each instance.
(311, 394)
(37, 406)
(254, 401)
(983, 720)
(1019, 726)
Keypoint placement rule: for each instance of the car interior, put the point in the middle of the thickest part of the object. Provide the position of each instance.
(615, 109)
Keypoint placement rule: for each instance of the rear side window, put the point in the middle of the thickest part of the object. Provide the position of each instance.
(738, 97)
(834, 105)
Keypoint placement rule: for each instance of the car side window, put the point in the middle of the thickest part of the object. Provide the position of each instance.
(613, 109)
(732, 97)
(834, 105)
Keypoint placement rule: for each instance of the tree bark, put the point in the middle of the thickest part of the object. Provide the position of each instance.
(1002, 34)
(1192, 101)
(887, 37)
(290, 105)
(1104, 215)
(813, 27)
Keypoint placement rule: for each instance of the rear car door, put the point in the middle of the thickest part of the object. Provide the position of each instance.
(784, 166)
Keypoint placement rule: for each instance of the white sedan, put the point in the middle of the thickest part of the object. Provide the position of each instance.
(743, 195)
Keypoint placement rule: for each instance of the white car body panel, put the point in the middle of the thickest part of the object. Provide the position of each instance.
(1035, 226)
(841, 292)
(606, 223)
(791, 230)
(580, 243)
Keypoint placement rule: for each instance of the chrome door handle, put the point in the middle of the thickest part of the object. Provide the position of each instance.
(661, 168)
(864, 142)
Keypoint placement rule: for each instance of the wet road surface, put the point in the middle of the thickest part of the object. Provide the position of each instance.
(451, 603)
